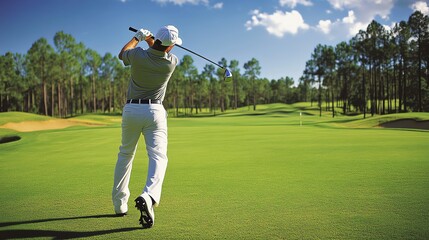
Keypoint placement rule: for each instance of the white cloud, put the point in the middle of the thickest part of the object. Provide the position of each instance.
(325, 26)
(360, 13)
(351, 18)
(365, 9)
(346, 26)
(181, 2)
(293, 3)
(278, 23)
(218, 5)
(341, 4)
(420, 6)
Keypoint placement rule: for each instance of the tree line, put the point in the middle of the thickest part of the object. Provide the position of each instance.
(378, 71)
(69, 79)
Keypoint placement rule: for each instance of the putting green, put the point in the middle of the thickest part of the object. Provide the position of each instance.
(229, 177)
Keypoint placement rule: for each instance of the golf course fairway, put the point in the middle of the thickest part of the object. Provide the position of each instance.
(269, 174)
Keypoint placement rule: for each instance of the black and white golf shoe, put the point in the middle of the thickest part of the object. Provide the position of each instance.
(147, 214)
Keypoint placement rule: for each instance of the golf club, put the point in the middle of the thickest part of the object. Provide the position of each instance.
(227, 73)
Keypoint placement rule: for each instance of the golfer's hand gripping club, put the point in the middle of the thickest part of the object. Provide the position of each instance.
(227, 73)
(143, 34)
(135, 30)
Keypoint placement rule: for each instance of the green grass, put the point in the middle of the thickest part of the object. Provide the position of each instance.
(233, 176)
(20, 117)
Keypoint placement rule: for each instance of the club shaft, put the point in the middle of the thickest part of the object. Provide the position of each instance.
(199, 56)
(186, 49)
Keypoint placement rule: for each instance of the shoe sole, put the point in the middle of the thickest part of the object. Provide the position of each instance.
(145, 218)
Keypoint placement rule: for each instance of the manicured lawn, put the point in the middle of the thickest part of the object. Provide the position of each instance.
(235, 176)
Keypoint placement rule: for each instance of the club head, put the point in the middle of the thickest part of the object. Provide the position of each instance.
(227, 74)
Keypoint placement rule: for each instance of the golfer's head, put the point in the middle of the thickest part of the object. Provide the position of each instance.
(168, 36)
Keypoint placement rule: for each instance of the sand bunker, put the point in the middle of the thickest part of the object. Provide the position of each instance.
(30, 126)
(406, 123)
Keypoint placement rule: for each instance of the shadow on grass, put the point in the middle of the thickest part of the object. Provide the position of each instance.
(27, 233)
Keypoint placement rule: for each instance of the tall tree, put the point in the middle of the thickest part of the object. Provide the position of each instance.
(208, 73)
(202, 92)
(345, 61)
(82, 83)
(319, 70)
(188, 82)
(308, 76)
(375, 33)
(174, 90)
(361, 44)
(252, 71)
(328, 61)
(108, 74)
(39, 64)
(419, 25)
(403, 35)
(234, 68)
(12, 86)
(69, 70)
(93, 68)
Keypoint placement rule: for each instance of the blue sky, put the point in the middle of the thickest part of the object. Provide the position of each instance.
(281, 34)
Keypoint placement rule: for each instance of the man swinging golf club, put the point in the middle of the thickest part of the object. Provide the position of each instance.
(144, 114)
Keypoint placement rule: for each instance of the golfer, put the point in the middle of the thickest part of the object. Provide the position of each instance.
(144, 114)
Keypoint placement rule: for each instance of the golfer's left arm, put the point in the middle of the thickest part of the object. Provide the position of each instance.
(140, 35)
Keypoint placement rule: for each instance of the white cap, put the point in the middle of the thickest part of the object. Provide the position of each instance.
(168, 35)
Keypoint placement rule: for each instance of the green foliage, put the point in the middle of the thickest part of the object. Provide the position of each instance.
(12, 82)
(377, 65)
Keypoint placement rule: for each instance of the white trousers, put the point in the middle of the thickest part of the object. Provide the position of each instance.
(151, 121)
